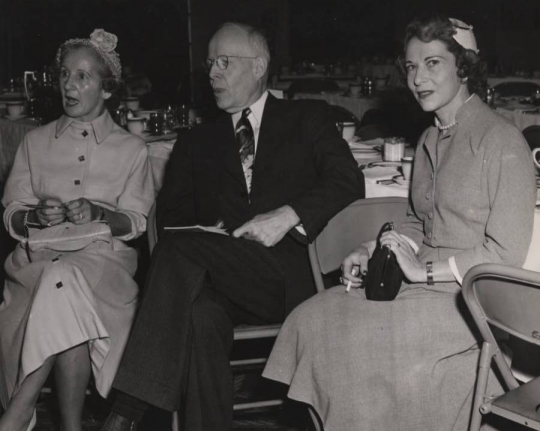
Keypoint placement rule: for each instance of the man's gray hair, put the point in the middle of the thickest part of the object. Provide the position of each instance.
(256, 38)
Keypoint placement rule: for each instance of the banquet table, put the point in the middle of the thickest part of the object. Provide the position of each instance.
(495, 80)
(522, 115)
(356, 105)
(283, 82)
(11, 135)
(159, 151)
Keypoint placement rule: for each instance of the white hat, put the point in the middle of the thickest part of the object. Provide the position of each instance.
(464, 35)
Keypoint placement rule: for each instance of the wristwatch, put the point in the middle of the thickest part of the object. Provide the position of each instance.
(101, 214)
(429, 272)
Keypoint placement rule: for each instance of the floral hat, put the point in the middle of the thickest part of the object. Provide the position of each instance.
(104, 44)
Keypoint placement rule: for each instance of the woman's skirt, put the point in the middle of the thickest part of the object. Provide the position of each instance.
(61, 300)
(407, 365)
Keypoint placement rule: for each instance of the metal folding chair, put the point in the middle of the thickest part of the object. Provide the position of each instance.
(358, 223)
(242, 332)
(506, 298)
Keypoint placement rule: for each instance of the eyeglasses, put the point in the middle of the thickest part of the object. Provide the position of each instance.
(222, 61)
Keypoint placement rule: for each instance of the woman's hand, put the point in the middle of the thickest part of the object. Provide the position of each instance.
(354, 267)
(414, 270)
(53, 215)
(81, 211)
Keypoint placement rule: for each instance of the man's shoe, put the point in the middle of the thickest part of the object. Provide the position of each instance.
(115, 422)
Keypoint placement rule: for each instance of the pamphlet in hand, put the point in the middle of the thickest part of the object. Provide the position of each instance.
(197, 228)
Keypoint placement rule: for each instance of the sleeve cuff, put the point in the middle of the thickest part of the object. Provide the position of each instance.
(300, 228)
(455, 271)
(138, 225)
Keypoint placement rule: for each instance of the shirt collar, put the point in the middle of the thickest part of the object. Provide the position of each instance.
(256, 111)
(102, 126)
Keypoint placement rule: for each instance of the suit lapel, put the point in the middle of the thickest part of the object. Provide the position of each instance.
(270, 140)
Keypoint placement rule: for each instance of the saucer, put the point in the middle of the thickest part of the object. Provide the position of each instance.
(18, 117)
(401, 181)
(386, 164)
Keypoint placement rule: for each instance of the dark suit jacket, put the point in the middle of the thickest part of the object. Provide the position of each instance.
(300, 161)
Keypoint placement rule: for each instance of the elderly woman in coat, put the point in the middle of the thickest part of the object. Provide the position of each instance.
(410, 364)
(69, 303)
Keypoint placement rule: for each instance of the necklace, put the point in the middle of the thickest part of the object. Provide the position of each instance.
(441, 127)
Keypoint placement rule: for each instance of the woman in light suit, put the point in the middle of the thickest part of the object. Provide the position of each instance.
(410, 364)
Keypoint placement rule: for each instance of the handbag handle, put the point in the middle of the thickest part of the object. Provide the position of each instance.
(387, 227)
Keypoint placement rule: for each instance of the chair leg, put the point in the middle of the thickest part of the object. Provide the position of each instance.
(175, 424)
(317, 425)
(481, 386)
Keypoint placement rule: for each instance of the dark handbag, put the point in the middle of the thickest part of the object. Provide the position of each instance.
(384, 277)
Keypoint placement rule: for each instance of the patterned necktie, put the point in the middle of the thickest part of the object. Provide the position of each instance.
(246, 141)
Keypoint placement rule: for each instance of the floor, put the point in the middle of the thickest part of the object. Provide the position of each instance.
(249, 386)
(284, 418)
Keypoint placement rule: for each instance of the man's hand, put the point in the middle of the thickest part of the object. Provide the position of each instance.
(268, 229)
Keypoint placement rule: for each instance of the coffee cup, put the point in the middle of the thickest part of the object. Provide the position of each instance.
(406, 167)
(15, 108)
(355, 89)
(136, 125)
(348, 130)
(133, 103)
(536, 159)
(394, 150)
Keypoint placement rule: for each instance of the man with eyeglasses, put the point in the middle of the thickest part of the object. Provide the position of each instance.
(272, 173)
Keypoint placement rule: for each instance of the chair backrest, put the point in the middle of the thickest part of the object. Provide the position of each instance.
(532, 135)
(507, 298)
(151, 228)
(340, 115)
(360, 222)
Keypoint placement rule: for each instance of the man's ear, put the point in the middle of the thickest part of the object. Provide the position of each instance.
(259, 67)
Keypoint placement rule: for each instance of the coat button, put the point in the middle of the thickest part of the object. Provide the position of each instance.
(428, 196)
(429, 235)
(430, 215)
(77, 182)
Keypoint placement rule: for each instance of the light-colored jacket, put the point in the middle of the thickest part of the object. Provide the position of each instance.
(473, 191)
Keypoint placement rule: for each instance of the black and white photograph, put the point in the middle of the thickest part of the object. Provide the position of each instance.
(270, 215)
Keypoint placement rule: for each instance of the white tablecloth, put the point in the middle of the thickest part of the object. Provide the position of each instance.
(158, 155)
(520, 117)
(11, 135)
(356, 105)
(494, 80)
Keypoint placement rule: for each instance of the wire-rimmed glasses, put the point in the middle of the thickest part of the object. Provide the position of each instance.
(222, 61)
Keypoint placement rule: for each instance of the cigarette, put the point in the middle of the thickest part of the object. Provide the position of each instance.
(354, 271)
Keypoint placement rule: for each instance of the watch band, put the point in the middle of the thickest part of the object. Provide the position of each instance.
(101, 213)
(429, 273)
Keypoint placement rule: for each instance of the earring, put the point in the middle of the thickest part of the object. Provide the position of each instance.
(464, 80)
